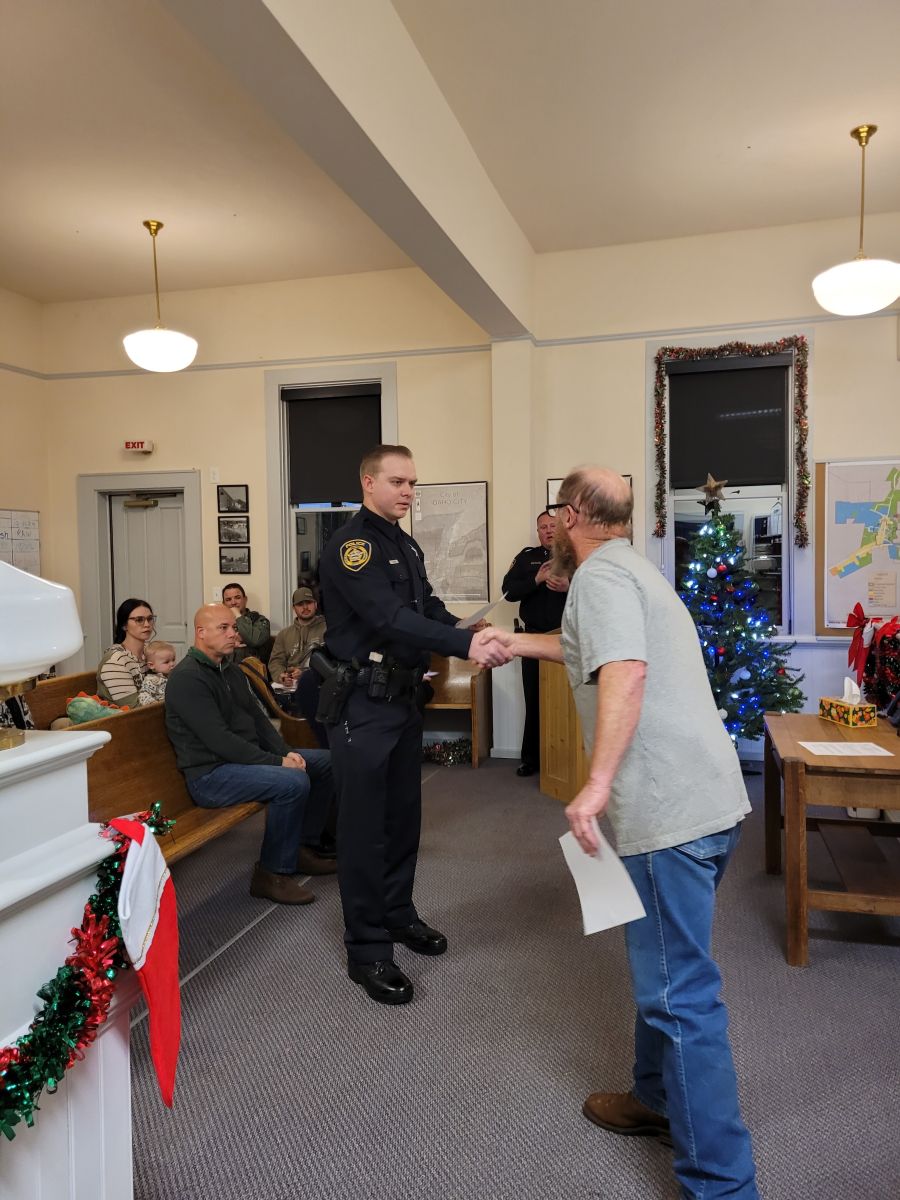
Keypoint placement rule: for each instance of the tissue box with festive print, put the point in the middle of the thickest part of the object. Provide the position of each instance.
(857, 716)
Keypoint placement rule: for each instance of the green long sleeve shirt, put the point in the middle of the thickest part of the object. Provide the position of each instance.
(213, 717)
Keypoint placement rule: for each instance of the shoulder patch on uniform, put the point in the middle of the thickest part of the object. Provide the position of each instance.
(355, 554)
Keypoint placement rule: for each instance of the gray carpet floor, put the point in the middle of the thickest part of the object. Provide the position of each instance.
(292, 1083)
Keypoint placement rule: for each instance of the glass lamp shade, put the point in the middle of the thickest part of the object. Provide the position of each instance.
(863, 285)
(160, 349)
(40, 624)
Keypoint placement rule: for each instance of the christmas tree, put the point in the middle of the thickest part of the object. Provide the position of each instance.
(747, 670)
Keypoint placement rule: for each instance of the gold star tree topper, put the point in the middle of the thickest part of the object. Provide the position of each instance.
(713, 491)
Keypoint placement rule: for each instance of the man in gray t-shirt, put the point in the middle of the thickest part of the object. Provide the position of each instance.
(665, 770)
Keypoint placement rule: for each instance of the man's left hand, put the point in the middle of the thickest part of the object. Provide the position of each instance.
(590, 802)
(293, 759)
(479, 625)
(557, 583)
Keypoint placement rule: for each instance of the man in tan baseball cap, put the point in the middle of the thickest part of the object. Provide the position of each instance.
(293, 646)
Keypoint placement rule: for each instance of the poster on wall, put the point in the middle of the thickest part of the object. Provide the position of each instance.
(862, 539)
(449, 521)
(20, 539)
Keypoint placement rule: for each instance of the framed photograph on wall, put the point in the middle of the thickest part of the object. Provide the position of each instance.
(233, 529)
(234, 560)
(233, 497)
(449, 521)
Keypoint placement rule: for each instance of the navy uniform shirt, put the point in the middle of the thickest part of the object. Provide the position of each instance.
(540, 608)
(376, 596)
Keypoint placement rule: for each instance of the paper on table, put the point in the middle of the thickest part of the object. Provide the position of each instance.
(846, 749)
(607, 895)
(468, 622)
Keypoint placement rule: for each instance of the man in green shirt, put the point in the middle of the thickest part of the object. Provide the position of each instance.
(253, 629)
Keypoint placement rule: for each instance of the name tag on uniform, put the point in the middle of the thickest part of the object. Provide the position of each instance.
(393, 561)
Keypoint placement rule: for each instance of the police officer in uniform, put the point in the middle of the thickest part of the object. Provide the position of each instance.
(542, 597)
(383, 621)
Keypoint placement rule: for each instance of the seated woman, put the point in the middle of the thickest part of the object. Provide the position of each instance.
(122, 668)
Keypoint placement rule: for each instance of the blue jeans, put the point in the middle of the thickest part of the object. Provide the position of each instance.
(283, 790)
(683, 1066)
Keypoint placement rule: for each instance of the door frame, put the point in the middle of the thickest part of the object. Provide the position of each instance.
(282, 537)
(94, 544)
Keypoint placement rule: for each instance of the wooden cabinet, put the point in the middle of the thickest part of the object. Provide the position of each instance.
(563, 762)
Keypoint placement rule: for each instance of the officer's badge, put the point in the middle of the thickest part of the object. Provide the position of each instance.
(355, 554)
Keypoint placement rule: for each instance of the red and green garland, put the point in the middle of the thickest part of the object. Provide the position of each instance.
(800, 346)
(77, 999)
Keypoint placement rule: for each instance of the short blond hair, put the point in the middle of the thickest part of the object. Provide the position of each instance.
(153, 649)
(376, 456)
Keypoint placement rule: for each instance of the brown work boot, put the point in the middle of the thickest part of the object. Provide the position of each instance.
(619, 1112)
(311, 863)
(282, 889)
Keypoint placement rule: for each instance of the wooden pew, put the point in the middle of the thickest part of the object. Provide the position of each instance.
(464, 686)
(136, 768)
(48, 700)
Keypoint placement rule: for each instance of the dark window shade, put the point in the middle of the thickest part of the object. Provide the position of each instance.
(330, 429)
(730, 422)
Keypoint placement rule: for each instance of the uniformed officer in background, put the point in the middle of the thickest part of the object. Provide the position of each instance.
(383, 621)
(542, 597)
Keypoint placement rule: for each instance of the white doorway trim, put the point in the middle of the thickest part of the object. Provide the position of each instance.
(281, 534)
(93, 492)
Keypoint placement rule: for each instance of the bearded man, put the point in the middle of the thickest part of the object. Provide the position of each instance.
(664, 767)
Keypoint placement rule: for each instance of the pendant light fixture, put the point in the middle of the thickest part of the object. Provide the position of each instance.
(863, 285)
(159, 349)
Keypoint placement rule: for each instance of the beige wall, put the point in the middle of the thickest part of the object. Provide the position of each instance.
(24, 433)
(579, 402)
(215, 418)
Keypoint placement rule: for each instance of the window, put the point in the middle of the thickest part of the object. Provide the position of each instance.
(731, 417)
(330, 429)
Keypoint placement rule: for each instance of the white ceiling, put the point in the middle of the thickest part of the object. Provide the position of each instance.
(608, 121)
(598, 122)
(113, 113)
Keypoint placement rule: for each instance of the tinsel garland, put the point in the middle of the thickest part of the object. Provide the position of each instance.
(448, 754)
(77, 998)
(800, 346)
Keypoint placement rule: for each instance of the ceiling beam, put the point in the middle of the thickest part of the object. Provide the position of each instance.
(345, 80)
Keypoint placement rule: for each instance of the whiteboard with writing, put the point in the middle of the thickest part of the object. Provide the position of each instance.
(20, 539)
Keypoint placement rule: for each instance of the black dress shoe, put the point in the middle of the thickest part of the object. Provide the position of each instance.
(383, 980)
(420, 937)
(525, 770)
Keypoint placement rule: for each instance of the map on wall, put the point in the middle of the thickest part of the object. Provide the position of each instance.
(862, 539)
(20, 539)
(449, 521)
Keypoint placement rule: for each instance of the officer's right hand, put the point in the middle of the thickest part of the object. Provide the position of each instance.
(488, 648)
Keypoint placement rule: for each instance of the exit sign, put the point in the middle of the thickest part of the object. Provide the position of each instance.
(142, 447)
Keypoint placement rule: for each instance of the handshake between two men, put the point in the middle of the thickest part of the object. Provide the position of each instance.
(492, 647)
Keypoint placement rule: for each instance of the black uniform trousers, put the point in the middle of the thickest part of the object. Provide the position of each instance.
(376, 753)
(531, 734)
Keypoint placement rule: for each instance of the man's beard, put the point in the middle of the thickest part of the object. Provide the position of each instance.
(563, 561)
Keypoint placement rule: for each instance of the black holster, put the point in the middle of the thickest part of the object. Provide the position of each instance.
(338, 681)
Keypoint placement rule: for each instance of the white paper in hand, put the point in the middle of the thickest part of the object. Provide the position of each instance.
(607, 895)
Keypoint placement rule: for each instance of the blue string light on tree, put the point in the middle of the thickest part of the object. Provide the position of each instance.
(747, 671)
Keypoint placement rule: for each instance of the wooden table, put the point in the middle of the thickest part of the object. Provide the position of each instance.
(871, 884)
